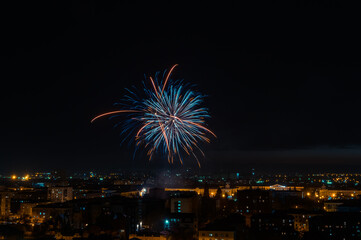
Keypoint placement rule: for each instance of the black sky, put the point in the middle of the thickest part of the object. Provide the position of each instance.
(282, 79)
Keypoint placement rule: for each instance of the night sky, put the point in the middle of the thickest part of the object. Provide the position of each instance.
(282, 79)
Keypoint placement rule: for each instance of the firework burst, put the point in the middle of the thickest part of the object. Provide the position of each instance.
(166, 117)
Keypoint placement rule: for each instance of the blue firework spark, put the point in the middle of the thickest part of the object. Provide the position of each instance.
(166, 117)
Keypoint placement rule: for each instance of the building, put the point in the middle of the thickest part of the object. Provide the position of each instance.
(284, 195)
(212, 192)
(5, 199)
(48, 211)
(26, 208)
(87, 194)
(216, 235)
(329, 194)
(151, 212)
(229, 228)
(275, 224)
(23, 200)
(185, 221)
(182, 205)
(60, 194)
(253, 202)
(336, 226)
(302, 219)
(331, 206)
(147, 236)
(350, 205)
(30, 194)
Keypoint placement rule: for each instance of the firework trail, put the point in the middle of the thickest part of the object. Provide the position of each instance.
(166, 117)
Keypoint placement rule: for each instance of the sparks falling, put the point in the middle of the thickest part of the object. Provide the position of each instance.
(165, 117)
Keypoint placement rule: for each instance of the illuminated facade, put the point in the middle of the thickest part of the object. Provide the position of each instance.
(302, 221)
(27, 208)
(338, 194)
(4, 204)
(233, 191)
(60, 194)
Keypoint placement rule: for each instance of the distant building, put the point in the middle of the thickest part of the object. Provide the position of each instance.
(336, 226)
(350, 205)
(276, 224)
(253, 202)
(48, 211)
(26, 208)
(59, 174)
(283, 195)
(302, 218)
(150, 214)
(185, 221)
(214, 235)
(147, 236)
(5, 199)
(30, 195)
(23, 200)
(279, 187)
(87, 194)
(60, 194)
(227, 190)
(329, 194)
(227, 229)
(183, 205)
(331, 206)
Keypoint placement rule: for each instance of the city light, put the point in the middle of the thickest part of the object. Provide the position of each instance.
(142, 192)
(322, 195)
